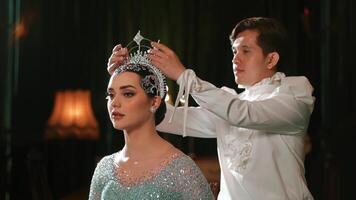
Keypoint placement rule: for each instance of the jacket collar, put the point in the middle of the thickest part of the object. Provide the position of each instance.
(276, 77)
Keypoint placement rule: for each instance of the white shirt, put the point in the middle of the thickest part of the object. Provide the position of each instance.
(259, 134)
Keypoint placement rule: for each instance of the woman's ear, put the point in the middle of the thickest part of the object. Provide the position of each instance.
(156, 101)
(272, 60)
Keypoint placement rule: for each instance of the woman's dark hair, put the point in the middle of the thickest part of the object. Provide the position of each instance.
(161, 110)
(272, 35)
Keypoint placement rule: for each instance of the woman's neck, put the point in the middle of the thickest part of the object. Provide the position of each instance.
(142, 142)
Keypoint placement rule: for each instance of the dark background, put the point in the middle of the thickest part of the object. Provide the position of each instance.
(66, 46)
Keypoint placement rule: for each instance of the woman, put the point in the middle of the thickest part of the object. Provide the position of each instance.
(147, 167)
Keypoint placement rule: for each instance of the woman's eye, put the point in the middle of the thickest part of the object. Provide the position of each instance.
(128, 94)
(109, 96)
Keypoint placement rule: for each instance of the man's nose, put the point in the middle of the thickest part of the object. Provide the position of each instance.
(235, 59)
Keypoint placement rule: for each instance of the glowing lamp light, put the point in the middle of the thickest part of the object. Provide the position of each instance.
(72, 116)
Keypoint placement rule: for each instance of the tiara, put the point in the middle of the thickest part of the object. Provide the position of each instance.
(138, 57)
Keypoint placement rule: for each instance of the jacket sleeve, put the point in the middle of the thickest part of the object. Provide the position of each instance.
(286, 110)
(200, 122)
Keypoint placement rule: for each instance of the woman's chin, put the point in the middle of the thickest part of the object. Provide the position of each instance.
(118, 127)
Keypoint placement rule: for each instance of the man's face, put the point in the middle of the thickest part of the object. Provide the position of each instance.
(249, 62)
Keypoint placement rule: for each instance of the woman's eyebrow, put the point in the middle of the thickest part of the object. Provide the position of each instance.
(127, 86)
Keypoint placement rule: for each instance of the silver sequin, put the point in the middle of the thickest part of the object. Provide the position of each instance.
(179, 178)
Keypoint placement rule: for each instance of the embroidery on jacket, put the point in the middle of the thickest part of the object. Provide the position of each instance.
(238, 151)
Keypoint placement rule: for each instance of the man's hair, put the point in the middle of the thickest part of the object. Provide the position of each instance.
(272, 35)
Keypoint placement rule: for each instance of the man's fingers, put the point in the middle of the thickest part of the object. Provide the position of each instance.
(157, 53)
(117, 48)
(114, 62)
(156, 62)
(161, 47)
(111, 67)
(118, 56)
(155, 59)
(120, 52)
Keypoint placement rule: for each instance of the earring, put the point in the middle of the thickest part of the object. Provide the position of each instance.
(153, 109)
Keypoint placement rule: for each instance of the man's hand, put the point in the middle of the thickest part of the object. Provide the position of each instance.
(119, 54)
(166, 60)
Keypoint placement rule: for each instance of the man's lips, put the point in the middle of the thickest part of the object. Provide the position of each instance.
(236, 71)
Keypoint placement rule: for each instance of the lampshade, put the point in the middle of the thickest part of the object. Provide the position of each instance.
(72, 116)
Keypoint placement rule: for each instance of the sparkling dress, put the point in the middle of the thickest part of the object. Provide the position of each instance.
(177, 177)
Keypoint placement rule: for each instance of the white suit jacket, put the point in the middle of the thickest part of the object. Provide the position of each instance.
(260, 133)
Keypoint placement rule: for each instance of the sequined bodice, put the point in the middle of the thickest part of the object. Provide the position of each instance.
(178, 178)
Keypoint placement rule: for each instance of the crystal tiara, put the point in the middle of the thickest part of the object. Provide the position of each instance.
(138, 57)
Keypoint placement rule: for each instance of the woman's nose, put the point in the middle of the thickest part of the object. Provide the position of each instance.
(115, 102)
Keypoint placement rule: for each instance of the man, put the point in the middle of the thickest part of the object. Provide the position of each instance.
(260, 132)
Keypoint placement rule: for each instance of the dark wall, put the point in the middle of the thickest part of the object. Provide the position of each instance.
(67, 43)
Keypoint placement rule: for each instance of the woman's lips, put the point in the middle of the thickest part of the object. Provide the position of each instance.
(116, 115)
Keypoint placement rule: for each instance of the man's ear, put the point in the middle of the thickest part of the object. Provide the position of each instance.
(272, 60)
